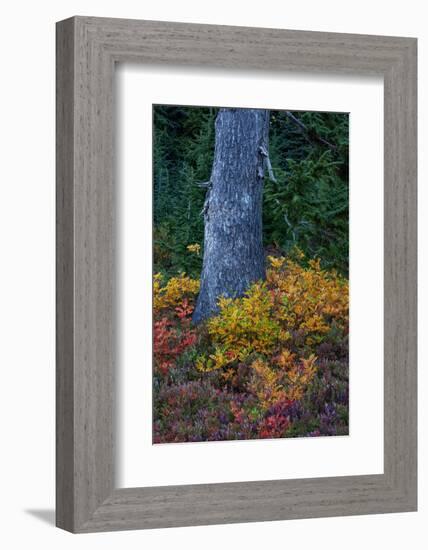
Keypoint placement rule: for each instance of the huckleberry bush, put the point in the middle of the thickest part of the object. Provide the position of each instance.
(272, 363)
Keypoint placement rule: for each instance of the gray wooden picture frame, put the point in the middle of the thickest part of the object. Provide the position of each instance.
(87, 50)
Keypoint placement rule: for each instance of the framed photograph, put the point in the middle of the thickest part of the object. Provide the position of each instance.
(236, 274)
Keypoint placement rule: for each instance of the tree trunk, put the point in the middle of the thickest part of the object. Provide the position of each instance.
(233, 247)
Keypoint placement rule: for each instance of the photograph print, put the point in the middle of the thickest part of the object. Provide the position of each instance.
(250, 274)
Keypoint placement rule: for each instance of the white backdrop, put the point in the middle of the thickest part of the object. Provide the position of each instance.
(362, 451)
(27, 272)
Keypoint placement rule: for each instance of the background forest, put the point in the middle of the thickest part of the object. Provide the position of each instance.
(307, 205)
(274, 362)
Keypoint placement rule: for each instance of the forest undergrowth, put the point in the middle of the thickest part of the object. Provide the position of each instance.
(273, 363)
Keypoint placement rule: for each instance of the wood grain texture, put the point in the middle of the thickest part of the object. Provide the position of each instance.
(64, 276)
(87, 50)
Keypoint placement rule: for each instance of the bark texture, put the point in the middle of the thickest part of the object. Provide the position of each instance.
(233, 248)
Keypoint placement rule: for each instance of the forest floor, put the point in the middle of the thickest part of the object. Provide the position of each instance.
(273, 363)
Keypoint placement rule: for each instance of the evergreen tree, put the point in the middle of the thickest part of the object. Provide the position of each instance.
(307, 205)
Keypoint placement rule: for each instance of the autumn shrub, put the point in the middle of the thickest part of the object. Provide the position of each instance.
(272, 363)
(169, 343)
(295, 308)
(173, 293)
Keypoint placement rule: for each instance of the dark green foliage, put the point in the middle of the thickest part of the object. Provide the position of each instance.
(183, 142)
(307, 206)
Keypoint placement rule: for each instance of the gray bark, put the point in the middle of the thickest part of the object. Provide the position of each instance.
(233, 247)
